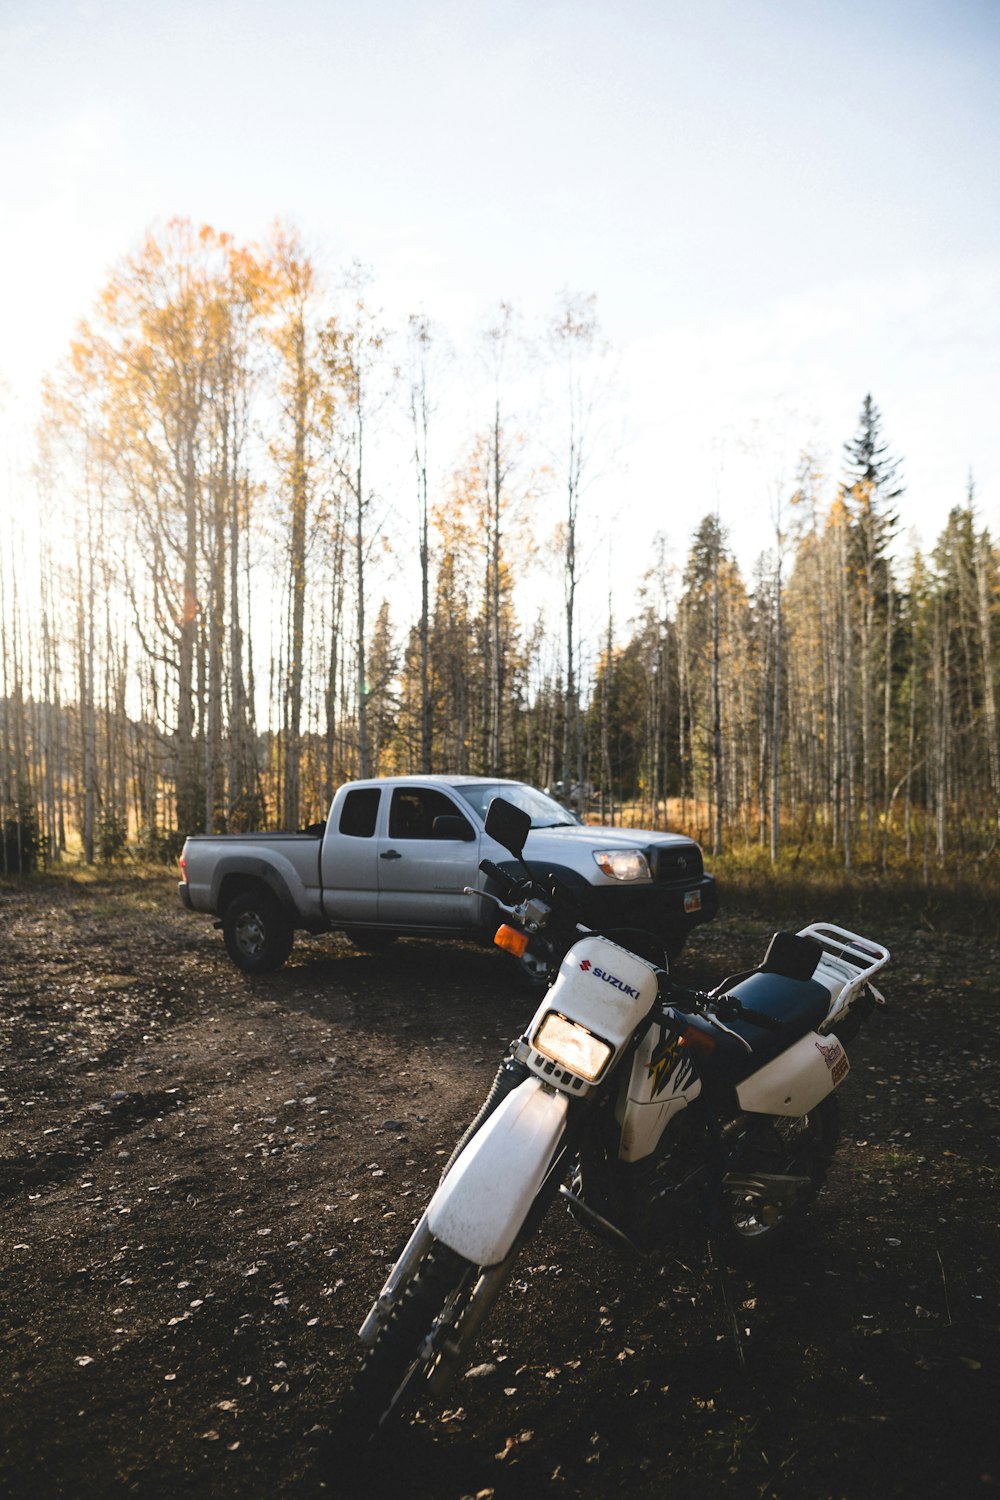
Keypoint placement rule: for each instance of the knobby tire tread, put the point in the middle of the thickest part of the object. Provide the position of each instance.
(375, 1393)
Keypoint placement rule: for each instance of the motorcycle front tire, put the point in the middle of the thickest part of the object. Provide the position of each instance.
(397, 1365)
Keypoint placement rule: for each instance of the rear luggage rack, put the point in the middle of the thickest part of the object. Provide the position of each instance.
(846, 967)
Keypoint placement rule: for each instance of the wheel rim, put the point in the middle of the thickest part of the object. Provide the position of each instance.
(794, 1151)
(752, 1217)
(536, 969)
(249, 934)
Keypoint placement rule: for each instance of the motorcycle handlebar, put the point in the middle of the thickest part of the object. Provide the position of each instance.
(724, 1007)
(680, 995)
(495, 873)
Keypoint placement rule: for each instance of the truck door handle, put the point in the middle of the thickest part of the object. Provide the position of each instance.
(390, 854)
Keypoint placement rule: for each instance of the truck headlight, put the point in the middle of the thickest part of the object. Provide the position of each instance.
(622, 864)
(571, 1046)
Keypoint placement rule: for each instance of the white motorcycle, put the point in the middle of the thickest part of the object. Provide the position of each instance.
(645, 1105)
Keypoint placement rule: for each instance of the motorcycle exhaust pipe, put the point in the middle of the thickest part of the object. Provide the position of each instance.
(769, 1187)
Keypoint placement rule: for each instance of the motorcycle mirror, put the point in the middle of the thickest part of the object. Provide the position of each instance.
(508, 825)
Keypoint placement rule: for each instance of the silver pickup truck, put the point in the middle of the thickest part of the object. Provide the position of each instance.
(395, 857)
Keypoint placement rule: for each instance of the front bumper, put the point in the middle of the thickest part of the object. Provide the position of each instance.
(675, 908)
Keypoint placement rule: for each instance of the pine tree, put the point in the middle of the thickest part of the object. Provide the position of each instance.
(869, 461)
(872, 482)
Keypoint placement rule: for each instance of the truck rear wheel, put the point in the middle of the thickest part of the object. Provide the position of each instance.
(258, 934)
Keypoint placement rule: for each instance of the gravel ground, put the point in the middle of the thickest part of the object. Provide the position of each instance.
(204, 1177)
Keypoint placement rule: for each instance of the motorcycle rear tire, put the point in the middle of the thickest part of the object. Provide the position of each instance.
(754, 1227)
(396, 1366)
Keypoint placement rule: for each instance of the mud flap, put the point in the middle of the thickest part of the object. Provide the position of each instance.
(480, 1206)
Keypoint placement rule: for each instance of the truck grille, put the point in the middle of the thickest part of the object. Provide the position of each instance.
(675, 864)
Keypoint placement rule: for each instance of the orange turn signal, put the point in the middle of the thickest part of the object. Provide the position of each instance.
(511, 941)
(697, 1041)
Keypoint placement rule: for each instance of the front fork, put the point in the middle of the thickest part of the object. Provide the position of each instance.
(451, 1343)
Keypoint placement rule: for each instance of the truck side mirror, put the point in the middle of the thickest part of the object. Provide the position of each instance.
(508, 825)
(452, 826)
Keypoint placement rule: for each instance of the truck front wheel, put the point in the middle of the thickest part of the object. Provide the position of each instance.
(258, 934)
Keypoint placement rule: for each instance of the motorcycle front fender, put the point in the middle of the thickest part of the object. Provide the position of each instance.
(480, 1206)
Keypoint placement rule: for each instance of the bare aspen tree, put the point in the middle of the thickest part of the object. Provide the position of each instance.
(295, 291)
(607, 777)
(496, 347)
(332, 521)
(716, 709)
(6, 725)
(575, 341)
(888, 792)
(657, 631)
(352, 350)
(940, 723)
(420, 343)
(86, 624)
(985, 570)
(251, 295)
(151, 354)
(779, 671)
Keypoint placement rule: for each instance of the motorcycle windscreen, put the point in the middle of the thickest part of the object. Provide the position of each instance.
(479, 1208)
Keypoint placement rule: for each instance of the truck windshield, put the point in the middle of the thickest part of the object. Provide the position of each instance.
(543, 811)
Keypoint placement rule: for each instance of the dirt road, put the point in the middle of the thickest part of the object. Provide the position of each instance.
(203, 1178)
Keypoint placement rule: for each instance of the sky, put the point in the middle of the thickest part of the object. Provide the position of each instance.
(779, 206)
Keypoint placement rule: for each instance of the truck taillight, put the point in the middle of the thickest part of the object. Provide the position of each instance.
(183, 864)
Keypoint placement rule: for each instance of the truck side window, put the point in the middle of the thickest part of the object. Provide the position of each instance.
(360, 811)
(413, 810)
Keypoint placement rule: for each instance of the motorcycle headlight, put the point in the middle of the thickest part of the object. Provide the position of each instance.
(622, 864)
(572, 1046)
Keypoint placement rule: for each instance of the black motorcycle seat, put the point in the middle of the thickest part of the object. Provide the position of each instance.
(798, 1005)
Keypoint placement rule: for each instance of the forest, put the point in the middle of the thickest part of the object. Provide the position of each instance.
(214, 608)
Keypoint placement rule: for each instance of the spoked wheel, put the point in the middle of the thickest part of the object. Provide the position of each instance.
(407, 1348)
(775, 1171)
(534, 967)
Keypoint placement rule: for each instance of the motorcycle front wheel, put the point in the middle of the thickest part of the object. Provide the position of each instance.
(776, 1169)
(406, 1348)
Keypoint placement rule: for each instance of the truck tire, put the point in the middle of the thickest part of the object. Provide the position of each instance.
(258, 934)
